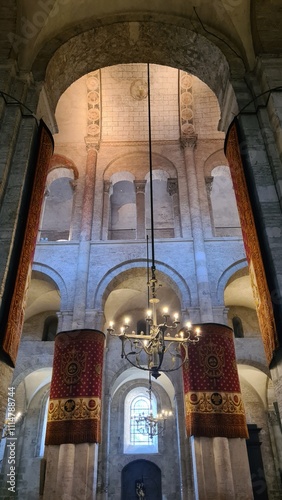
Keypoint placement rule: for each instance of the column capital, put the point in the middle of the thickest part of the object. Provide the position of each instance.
(188, 141)
(107, 186)
(209, 180)
(140, 186)
(172, 186)
(91, 144)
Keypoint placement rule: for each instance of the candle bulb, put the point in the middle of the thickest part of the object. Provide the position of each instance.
(175, 317)
(126, 321)
(149, 313)
(165, 310)
(111, 324)
(189, 325)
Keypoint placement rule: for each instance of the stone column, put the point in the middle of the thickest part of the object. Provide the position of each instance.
(218, 438)
(19, 131)
(205, 302)
(106, 210)
(221, 469)
(140, 209)
(68, 467)
(74, 417)
(209, 181)
(172, 189)
(84, 245)
(64, 320)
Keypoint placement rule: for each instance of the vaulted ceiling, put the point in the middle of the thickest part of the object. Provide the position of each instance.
(241, 28)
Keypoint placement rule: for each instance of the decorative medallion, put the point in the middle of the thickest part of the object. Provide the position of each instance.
(188, 129)
(69, 405)
(212, 360)
(92, 83)
(186, 81)
(72, 366)
(216, 399)
(186, 98)
(93, 114)
(139, 89)
(187, 114)
(93, 129)
(93, 97)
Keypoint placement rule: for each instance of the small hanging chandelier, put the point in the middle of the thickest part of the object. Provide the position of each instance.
(162, 347)
(148, 424)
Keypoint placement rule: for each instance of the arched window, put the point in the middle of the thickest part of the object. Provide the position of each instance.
(50, 328)
(237, 327)
(136, 403)
(123, 207)
(43, 428)
(57, 210)
(163, 209)
(224, 208)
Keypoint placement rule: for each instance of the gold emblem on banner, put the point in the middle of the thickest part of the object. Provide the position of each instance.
(212, 360)
(72, 366)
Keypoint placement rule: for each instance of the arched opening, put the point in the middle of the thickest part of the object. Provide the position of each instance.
(141, 478)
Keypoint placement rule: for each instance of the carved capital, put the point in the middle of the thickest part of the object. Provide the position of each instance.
(209, 181)
(91, 143)
(172, 186)
(140, 186)
(188, 141)
(107, 186)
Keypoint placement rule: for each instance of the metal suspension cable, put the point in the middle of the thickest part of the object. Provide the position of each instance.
(151, 174)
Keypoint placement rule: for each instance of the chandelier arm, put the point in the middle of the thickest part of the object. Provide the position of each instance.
(135, 364)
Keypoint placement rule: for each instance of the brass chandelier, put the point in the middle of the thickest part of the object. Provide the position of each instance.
(148, 424)
(164, 346)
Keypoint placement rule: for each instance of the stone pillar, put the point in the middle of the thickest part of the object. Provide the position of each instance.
(71, 466)
(218, 438)
(209, 181)
(205, 302)
(106, 210)
(140, 209)
(221, 469)
(276, 376)
(84, 245)
(74, 417)
(172, 189)
(64, 320)
(19, 139)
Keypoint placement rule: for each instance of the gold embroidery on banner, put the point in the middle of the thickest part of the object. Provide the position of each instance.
(74, 409)
(16, 312)
(214, 402)
(73, 365)
(212, 360)
(257, 273)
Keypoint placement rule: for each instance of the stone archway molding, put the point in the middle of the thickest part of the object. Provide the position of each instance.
(109, 281)
(57, 279)
(132, 42)
(225, 276)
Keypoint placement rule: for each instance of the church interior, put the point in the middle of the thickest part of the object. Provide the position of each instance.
(140, 168)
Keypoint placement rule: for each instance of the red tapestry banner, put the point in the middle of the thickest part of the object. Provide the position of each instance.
(16, 311)
(74, 414)
(256, 268)
(213, 401)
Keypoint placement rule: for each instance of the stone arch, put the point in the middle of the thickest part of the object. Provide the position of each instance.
(57, 279)
(116, 275)
(58, 161)
(139, 162)
(214, 160)
(225, 276)
(127, 42)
